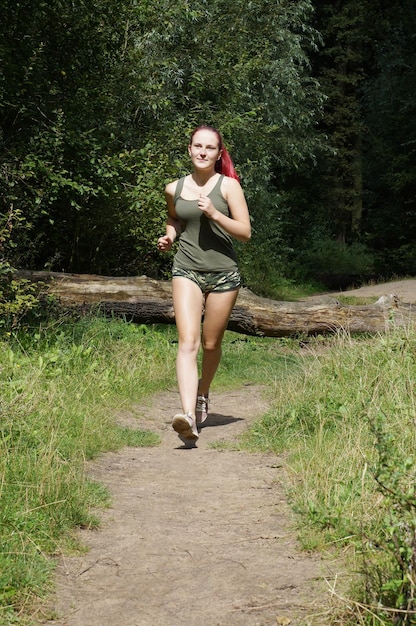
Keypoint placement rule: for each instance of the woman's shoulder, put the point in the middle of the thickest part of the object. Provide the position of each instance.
(229, 180)
(229, 184)
(171, 187)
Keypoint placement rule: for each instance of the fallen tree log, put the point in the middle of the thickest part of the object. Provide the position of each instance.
(148, 301)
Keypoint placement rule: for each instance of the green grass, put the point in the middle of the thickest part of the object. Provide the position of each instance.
(254, 360)
(288, 290)
(61, 388)
(346, 423)
(343, 413)
(354, 301)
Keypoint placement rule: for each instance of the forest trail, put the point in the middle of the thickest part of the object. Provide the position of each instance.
(199, 537)
(194, 537)
(405, 290)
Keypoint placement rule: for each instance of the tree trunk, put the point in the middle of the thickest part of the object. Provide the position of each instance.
(147, 301)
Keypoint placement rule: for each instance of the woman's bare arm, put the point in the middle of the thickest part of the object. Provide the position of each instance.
(238, 225)
(173, 227)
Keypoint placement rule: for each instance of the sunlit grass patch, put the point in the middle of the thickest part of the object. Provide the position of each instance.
(338, 418)
(61, 388)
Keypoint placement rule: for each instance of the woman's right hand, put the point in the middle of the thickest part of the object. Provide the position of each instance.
(164, 243)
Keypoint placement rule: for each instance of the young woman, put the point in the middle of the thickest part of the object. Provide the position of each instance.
(206, 209)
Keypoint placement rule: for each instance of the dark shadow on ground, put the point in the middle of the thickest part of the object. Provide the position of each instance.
(216, 419)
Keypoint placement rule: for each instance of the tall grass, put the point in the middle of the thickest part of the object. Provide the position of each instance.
(347, 423)
(344, 413)
(61, 388)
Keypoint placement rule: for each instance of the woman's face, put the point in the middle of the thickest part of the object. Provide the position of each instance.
(204, 149)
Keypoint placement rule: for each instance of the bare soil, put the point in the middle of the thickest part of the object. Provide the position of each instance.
(196, 537)
(404, 289)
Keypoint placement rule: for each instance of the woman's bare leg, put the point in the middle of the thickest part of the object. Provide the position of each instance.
(187, 304)
(218, 308)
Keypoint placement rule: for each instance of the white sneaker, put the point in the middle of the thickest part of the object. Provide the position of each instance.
(201, 409)
(185, 426)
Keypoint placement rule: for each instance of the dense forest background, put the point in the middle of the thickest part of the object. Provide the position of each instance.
(316, 102)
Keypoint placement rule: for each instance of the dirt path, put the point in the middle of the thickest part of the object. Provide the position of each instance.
(404, 289)
(194, 537)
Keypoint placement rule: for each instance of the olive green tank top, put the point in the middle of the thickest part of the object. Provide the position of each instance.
(203, 245)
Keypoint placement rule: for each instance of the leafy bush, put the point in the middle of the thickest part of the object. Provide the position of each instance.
(397, 262)
(18, 297)
(327, 259)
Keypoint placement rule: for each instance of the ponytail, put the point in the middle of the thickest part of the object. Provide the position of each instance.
(225, 164)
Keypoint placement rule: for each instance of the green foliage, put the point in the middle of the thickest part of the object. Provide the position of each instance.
(57, 141)
(400, 261)
(331, 261)
(391, 579)
(340, 66)
(89, 139)
(362, 191)
(389, 106)
(17, 298)
(145, 216)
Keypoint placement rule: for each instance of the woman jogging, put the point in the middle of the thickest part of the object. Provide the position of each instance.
(206, 209)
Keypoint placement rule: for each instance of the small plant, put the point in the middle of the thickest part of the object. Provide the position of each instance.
(18, 297)
(391, 580)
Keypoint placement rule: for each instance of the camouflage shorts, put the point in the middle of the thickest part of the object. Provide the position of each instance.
(211, 281)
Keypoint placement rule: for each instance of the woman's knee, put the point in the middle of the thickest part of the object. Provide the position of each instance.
(211, 345)
(189, 345)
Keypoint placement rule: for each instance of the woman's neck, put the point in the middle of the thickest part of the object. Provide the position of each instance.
(201, 178)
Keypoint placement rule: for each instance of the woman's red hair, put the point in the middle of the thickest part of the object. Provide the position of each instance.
(224, 165)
